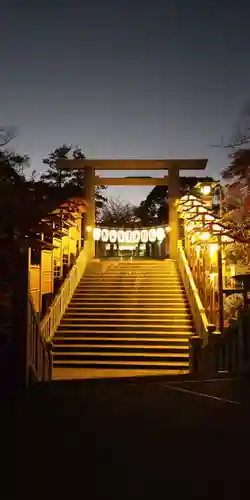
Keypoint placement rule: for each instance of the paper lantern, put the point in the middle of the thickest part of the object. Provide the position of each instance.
(105, 235)
(113, 235)
(121, 236)
(97, 234)
(144, 235)
(152, 235)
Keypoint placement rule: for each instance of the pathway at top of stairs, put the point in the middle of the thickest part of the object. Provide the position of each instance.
(126, 318)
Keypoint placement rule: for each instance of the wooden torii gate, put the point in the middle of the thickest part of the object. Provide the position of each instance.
(173, 166)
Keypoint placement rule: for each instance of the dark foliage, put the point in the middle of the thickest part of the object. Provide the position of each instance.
(155, 208)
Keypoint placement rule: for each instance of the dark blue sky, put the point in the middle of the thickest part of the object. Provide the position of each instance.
(125, 79)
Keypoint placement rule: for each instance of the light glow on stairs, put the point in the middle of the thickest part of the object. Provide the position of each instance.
(126, 316)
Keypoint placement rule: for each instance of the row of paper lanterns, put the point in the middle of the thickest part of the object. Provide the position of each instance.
(130, 235)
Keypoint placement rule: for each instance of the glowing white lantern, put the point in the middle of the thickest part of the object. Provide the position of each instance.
(152, 235)
(121, 236)
(113, 235)
(136, 236)
(160, 233)
(129, 237)
(213, 249)
(144, 235)
(105, 235)
(97, 234)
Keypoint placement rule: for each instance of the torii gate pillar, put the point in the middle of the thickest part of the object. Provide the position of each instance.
(173, 195)
(89, 216)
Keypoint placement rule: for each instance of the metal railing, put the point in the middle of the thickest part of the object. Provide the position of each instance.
(51, 320)
(202, 326)
(38, 354)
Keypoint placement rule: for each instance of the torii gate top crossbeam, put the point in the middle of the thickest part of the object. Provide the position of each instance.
(133, 164)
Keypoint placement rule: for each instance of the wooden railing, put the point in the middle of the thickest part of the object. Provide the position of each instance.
(58, 307)
(232, 352)
(38, 354)
(202, 326)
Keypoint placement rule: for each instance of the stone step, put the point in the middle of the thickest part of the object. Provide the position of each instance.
(182, 366)
(123, 341)
(91, 306)
(133, 293)
(128, 328)
(120, 318)
(148, 315)
(120, 348)
(130, 289)
(78, 372)
(131, 275)
(120, 356)
(161, 336)
(121, 280)
(135, 298)
(128, 284)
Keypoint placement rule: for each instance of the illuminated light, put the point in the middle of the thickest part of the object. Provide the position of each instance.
(152, 235)
(88, 229)
(113, 235)
(189, 226)
(129, 237)
(121, 236)
(202, 210)
(198, 249)
(127, 247)
(210, 218)
(205, 236)
(136, 236)
(168, 229)
(206, 190)
(105, 235)
(97, 233)
(144, 235)
(226, 239)
(160, 233)
(217, 228)
(213, 249)
(212, 275)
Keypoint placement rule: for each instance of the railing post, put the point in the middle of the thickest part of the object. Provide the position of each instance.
(195, 344)
(213, 338)
(49, 355)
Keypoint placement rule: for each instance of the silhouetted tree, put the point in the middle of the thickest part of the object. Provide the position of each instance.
(239, 167)
(118, 213)
(154, 209)
(73, 179)
(6, 135)
(55, 176)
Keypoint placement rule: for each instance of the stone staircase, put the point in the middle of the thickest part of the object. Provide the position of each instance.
(126, 315)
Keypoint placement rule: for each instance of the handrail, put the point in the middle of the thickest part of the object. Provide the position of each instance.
(203, 327)
(58, 307)
(38, 356)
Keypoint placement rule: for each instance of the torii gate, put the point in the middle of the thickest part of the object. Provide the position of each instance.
(172, 181)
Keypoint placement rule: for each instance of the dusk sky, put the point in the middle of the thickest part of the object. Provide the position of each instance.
(143, 79)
